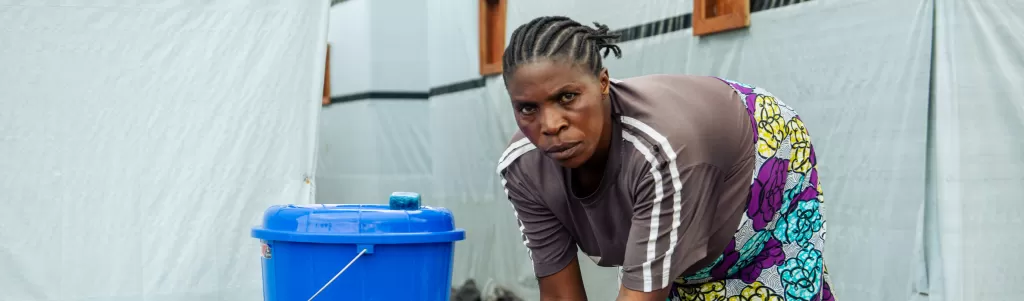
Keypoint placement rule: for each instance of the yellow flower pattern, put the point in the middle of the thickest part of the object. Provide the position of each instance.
(711, 291)
(757, 292)
(800, 156)
(771, 127)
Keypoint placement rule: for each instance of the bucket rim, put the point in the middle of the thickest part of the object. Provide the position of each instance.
(456, 234)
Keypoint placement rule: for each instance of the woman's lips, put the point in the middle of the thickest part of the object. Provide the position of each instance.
(564, 151)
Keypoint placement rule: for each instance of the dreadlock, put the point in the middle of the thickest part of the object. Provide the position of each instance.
(558, 37)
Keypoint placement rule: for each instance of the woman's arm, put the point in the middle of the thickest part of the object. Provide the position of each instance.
(552, 249)
(566, 284)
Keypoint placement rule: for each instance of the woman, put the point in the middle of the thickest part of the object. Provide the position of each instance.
(698, 188)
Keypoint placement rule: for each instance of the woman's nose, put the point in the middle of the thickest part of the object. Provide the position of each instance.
(552, 122)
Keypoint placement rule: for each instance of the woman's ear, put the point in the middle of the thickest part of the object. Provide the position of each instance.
(605, 81)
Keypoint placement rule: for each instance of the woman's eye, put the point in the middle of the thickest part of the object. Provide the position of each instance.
(568, 97)
(527, 110)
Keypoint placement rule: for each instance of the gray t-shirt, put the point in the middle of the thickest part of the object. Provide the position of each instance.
(675, 187)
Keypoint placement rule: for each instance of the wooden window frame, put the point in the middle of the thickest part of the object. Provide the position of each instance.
(327, 78)
(492, 35)
(706, 21)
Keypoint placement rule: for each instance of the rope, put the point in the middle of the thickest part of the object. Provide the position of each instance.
(338, 274)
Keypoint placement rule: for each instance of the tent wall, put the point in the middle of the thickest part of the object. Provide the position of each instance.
(349, 35)
(375, 136)
(140, 142)
(975, 167)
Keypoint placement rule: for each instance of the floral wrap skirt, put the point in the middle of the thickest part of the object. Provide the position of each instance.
(776, 253)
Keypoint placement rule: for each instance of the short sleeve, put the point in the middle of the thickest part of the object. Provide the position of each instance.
(671, 226)
(550, 244)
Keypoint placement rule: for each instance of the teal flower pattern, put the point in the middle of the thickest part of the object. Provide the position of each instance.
(800, 225)
(801, 275)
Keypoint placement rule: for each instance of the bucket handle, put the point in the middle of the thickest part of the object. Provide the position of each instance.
(364, 251)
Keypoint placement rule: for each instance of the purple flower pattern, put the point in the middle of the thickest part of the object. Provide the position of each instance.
(767, 192)
(770, 256)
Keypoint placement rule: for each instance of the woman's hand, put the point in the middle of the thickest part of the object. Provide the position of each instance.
(566, 285)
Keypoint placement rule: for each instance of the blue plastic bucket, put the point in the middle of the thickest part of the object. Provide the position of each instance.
(404, 251)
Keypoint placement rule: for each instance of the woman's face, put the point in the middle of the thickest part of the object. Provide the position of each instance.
(562, 108)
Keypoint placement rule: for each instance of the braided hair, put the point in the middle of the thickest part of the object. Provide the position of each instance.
(558, 37)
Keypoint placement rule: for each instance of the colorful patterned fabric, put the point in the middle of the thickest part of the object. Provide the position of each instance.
(776, 253)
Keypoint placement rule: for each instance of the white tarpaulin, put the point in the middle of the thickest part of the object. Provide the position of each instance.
(140, 141)
(976, 168)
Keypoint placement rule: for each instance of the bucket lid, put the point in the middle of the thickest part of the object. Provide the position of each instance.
(403, 221)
